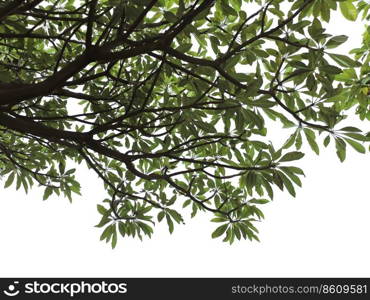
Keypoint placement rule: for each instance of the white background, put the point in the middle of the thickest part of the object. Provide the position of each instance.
(324, 231)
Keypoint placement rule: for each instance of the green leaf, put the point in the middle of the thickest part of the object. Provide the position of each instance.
(344, 60)
(295, 155)
(253, 87)
(145, 228)
(278, 180)
(325, 11)
(330, 69)
(161, 215)
(10, 180)
(122, 229)
(357, 136)
(104, 221)
(259, 201)
(291, 175)
(336, 41)
(107, 233)
(130, 176)
(298, 140)
(356, 145)
(205, 126)
(310, 136)
(290, 141)
(348, 10)
(184, 47)
(219, 219)
(101, 209)
(170, 17)
(62, 167)
(295, 170)
(346, 75)
(350, 129)
(219, 231)
(48, 191)
(175, 215)
(228, 10)
(327, 140)
(341, 149)
(236, 4)
(287, 183)
(114, 237)
(169, 223)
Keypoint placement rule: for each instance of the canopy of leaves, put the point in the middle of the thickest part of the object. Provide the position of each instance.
(166, 101)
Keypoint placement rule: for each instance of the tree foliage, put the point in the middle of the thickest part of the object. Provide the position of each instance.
(167, 100)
